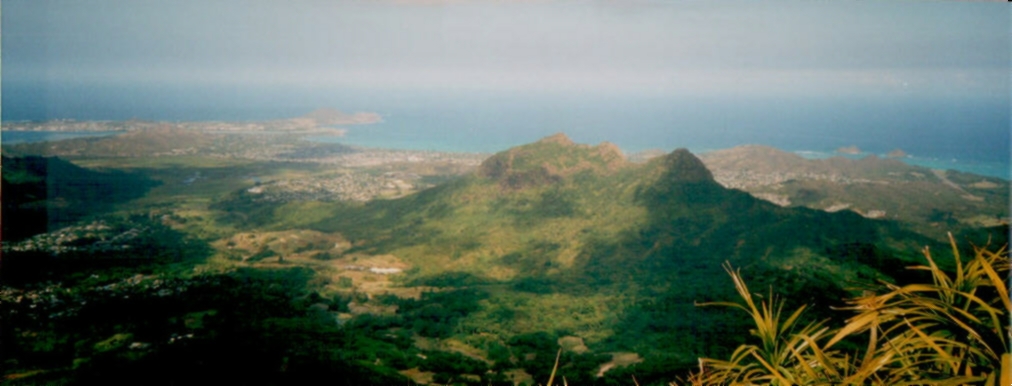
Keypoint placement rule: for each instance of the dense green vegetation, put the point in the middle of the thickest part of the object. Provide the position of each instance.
(952, 328)
(525, 210)
(43, 194)
(545, 246)
(246, 327)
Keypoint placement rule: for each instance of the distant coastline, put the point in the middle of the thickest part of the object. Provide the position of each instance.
(9, 137)
(984, 168)
(451, 130)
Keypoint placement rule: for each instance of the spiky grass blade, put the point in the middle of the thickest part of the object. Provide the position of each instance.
(951, 331)
(551, 378)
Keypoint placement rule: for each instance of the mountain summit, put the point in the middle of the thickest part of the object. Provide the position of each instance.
(684, 167)
(558, 138)
(555, 229)
(550, 160)
(585, 213)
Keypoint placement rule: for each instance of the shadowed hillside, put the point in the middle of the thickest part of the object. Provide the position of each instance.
(42, 194)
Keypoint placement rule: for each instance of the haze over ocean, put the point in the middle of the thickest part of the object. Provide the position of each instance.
(963, 134)
(931, 79)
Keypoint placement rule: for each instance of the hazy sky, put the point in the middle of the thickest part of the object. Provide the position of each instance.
(789, 48)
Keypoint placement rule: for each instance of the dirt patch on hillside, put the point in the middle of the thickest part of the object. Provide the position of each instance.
(291, 244)
(619, 359)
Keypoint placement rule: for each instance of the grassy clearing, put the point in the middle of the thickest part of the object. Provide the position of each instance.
(509, 313)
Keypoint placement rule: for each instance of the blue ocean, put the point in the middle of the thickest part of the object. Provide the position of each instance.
(963, 134)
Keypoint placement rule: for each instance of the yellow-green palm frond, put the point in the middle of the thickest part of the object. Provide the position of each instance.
(951, 331)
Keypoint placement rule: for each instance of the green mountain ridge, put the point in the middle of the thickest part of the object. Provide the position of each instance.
(550, 182)
(581, 223)
(543, 245)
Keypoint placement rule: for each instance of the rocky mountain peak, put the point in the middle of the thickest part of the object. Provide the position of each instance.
(557, 138)
(683, 166)
(550, 160)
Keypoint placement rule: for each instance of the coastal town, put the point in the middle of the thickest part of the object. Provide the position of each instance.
(746, 179)
(299, 140)
(344, 173)
(347, 186)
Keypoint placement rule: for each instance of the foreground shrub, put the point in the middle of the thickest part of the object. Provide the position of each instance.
(954, 330)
